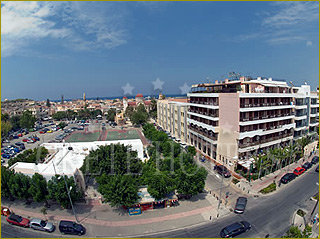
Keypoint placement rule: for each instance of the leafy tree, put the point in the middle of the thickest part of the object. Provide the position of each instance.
(293, 232)
(192, 150)
(62, 125)
(111, 114)
(5, 128)
(57, 190)
(5, 117)
(27, 120)
(19, 186)
(191, 180)
(129, 111)
(60, 115)
(38, 188)
(15, 122)
(6, 175)
(115, 159)
(159, 185)
(95, 113)
(118, 190)
(139, 116)
(70, 114)
(307, 231)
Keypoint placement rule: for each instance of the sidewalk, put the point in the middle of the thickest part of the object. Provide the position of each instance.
(255, 186)
(102, 219)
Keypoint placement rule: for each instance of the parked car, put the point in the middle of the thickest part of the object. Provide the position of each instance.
(287, 177)
(307, 165)
(41, 225)
(25, 140)
(235, 229)
(6, 156)
(42, 131)
(298, 171)
(315, 160)
(222, 170)
(49, 131)
(317, 169)
(69, 227)
(18, 220)
(36, 138)
(240, 205)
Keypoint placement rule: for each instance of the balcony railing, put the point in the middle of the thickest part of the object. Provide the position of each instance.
(202, 132)
(262, 141)
(264, 104)
(264, 117)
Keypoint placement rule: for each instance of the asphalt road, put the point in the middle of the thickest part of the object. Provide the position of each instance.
(267, 214)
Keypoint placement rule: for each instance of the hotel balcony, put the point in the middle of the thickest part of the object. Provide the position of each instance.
(249, 146)
(266, 130)
(265, 119)
(199, 132)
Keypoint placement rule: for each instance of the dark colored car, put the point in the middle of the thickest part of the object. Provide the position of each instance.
(235, 229)
(222, 170)
(315, 160)
(288, 177)
(6, 156)
(18, 220)
(240, 205)
(317, 169)
(298, 171)
(69, 227)
(307, 165)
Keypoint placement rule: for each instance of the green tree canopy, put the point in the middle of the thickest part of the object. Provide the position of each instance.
(19, 185)
(6, 175)
(111, 114)
(27, 120)
(15, 121)
(5, 128)
(38, 188)
(159, 185)
(62, 125)
(115, 159)
(118, 190)
(58, 190)
(60, 115)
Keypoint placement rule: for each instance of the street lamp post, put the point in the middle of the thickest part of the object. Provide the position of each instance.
(68, 191)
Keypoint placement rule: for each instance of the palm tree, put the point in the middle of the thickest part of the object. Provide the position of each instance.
(302, 143)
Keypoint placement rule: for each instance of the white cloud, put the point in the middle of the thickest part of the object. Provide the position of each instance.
(309, 43)
(81, 25)
(287, 22)
(292, 13)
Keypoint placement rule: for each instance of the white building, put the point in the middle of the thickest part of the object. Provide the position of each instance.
(67, 162)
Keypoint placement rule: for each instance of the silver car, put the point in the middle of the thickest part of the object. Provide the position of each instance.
(41, 225)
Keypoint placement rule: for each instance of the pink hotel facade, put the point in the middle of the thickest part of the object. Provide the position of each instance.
(230, 121)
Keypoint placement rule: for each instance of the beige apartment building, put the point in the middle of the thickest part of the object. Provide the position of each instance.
(172, 117)
(231, 121)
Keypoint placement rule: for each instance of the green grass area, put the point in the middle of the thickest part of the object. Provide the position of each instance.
(116, 135)
(83, 137)
(269, 189)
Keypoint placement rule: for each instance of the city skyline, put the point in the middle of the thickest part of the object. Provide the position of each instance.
(110, 49)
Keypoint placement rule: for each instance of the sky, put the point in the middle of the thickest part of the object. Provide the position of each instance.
(107, 49)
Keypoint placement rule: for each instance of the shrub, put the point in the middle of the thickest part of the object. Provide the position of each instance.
(269, 189)
(235, 181)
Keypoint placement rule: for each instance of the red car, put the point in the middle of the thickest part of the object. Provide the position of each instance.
(25, 140)
(18, 220)
(42, 132)
(20, 135)
(298, 171)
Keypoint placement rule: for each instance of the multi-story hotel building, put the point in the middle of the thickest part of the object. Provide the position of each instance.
(230, 121)
(172, 117)
(306, 112)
